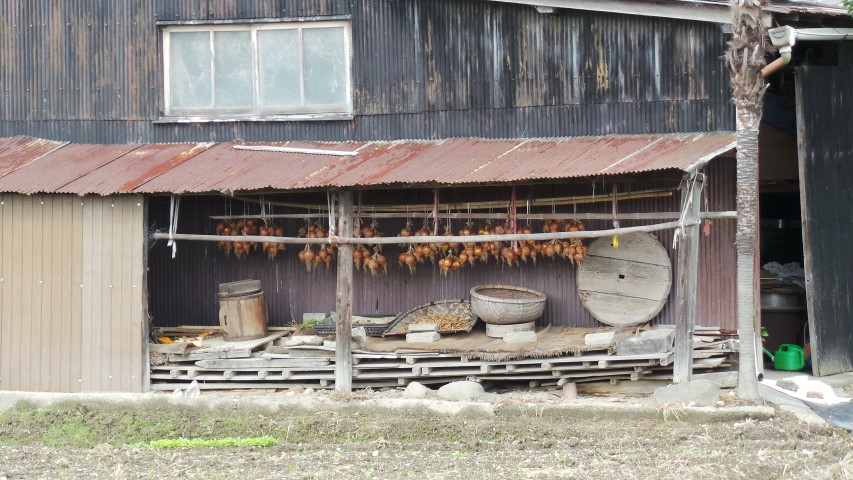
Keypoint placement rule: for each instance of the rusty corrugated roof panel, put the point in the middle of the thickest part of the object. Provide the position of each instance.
(226, 169)
(16, 152)
(53, 171)
(132, 170)
(180, 168)
(414, 162)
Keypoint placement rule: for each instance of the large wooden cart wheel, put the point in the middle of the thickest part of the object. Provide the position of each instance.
(628, 285)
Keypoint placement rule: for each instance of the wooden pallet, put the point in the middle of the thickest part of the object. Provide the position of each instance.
(238, 366)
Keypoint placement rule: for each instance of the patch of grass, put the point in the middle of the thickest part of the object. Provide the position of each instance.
(69, 434)
(266, 441)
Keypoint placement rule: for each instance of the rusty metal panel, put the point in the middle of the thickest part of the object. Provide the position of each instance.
(15, 152)
(71, 291)
(153, 168)
(591, 156)
(225, 168)
(53, 171)
(133, 169)
(717, 295)
(440, 162)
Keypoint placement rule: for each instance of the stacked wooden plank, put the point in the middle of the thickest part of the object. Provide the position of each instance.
(259, 364)
(270, 370)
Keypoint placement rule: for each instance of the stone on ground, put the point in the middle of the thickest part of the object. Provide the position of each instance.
(359, 334)
(415, 390)
(570, 391)
(659, 340)
(423, 337)
(701, 393)
(598, 339)
(788, 384)
(193, 390)
(298, 340)
(423, 327)
(462, 390)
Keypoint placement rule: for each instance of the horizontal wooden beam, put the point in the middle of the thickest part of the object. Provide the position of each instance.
(497, 216)
(420, 240)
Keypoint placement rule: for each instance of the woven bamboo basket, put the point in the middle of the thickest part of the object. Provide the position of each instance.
(460, 308)
(507, 305)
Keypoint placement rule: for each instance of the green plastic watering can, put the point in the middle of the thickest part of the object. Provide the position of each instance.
(789, 357)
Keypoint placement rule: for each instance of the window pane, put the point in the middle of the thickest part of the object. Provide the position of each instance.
(325, 65)
(233, 67)
(278, 58)
(189, 70)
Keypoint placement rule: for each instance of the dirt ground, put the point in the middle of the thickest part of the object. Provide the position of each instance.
(349, 437)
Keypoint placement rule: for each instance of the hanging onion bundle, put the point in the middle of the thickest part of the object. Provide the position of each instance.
(323, 255)
(237, 227)
(271, 248)
(408, 259)
(449, 263)
(307, 257)
(471, 251)
(574, 249)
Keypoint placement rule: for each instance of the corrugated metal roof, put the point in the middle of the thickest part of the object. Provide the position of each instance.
(16, 152)
(135, 168)
(53, 171)
(179, 168)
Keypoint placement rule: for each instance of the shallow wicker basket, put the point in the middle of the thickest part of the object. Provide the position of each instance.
(507, 305)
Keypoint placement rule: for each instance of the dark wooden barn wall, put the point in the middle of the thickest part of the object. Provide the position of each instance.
(183, 290)
(89, 71)
(825, 142)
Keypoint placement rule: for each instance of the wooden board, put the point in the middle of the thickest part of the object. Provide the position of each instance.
(218, 344)
(625, 286)
(261, 363)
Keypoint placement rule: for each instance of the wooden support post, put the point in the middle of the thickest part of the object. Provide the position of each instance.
(688, 278)
(343, 296)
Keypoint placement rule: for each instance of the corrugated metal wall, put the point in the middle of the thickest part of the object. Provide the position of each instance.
(825, 138)
(71, 293)
(183, 290)
(88, 71)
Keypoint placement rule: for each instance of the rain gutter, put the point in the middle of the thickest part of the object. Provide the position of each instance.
(785, 37)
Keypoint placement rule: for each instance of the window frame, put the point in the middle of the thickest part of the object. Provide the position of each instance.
(257, 111)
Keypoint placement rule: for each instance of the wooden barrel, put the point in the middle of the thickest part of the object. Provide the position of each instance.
(628, 285)
(243, 316)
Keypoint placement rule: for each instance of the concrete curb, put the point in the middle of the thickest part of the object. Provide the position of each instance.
(587, 409)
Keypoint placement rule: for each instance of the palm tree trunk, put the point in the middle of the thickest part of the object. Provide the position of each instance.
(746, 58)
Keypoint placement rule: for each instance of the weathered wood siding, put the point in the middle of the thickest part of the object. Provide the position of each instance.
(89, 71)
(825, 139)
(71, 293)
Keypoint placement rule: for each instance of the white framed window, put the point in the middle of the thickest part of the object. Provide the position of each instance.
(258, 70)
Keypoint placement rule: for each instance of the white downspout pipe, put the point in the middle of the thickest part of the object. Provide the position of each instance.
(785, 37)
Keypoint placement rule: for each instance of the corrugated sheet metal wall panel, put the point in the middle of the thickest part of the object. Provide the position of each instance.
(71, 293)
(183, 290)
(716, 294)
(825, 139)
(421, 69)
